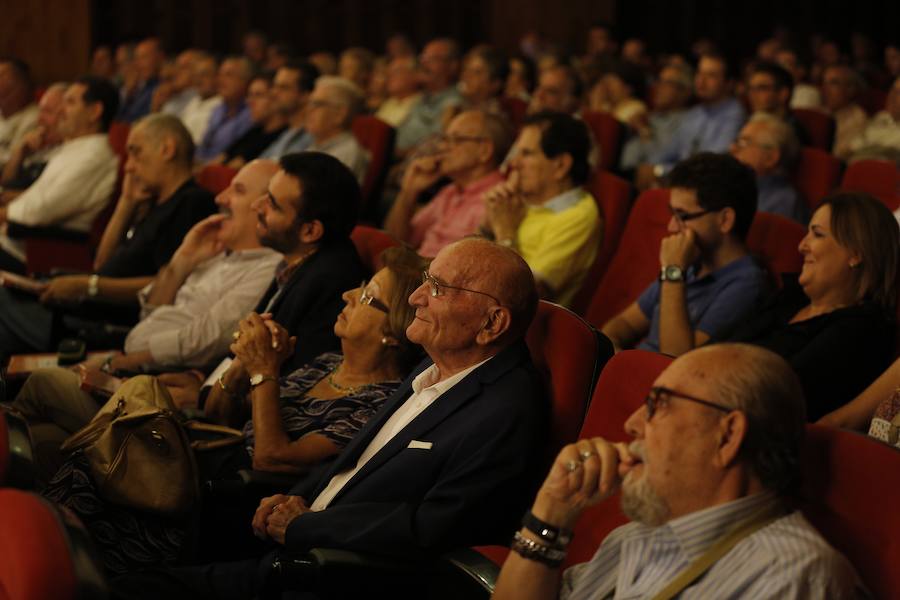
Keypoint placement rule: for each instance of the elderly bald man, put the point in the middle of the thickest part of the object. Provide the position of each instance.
(715, 450)
(469, 423)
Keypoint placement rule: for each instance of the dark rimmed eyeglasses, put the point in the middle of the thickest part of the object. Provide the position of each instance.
(369, 300)
(453, 140)
(684, 217)
(437, 288)
(660, 393)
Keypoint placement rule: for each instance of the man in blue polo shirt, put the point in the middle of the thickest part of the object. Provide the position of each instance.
(708, 280)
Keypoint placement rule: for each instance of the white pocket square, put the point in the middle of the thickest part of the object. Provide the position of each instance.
(420, 445)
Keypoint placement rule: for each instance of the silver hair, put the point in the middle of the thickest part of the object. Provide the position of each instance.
(782, 137)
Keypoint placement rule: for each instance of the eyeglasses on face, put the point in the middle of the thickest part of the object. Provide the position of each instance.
(683, 217)
(454, 140)
(659, 394)
(369, 300)
(437, 288)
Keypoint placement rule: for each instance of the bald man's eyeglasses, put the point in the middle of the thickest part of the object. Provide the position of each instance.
(437, 288)
(660, 394)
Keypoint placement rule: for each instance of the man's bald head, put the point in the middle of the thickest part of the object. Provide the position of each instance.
(161, 127)
(501, 272)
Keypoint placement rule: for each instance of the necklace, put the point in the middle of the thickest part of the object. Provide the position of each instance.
(347, 389)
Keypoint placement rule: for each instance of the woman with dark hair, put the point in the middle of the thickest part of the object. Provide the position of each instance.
(834, 323)
(296, 421)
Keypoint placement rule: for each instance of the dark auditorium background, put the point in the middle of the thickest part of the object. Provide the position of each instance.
(56, 36)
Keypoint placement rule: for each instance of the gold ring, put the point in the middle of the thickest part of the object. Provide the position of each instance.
(275, 508)
(236, 335)
(572, 465)
(586, 454)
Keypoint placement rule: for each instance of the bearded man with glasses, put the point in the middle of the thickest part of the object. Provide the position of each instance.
(715, 453)
(708, 280)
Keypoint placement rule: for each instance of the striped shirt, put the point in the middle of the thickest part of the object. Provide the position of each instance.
(785, 559)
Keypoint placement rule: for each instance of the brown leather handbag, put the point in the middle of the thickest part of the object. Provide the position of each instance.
(139, 452)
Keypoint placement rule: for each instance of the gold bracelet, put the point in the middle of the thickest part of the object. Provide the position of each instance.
(221, 382)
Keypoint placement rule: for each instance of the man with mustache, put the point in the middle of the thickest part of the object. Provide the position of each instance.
(715, 450)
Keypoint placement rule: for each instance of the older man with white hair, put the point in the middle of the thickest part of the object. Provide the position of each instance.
(333, 104)
(715, 450)
(767, 145)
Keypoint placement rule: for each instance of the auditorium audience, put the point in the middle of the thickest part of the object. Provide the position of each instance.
(102, 63)
(521, 79)
(835, 322)
(268, 125)
(654, 130)
(480, 407)
(159, 203)
(881, 137)
(542, 211)
(708, 280)
(402, 87)
(188, 313)
(309, 417)
(173, 95)
(290, 92)
(438, 70)
(198, 111)
(357, 64)
(840, 87)
(468, 153)
(619, 91)
(30, 156)
(137, 91)
(77, 182)
(254, 45)
(767, 145)
(231, 119)
(310, 209)
(559, 89)
(710, 126)
(769, 88)
(805, 95)
(18, 110)
(482, 78)
(714, 456)
(332, 105)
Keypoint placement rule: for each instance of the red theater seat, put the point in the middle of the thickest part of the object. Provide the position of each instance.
(216, 178)
(881, 178)
(818, 126)
(377, 137)
(816, 175)
(613, 196)
(775, 239)
(370, 243)
(608, 133)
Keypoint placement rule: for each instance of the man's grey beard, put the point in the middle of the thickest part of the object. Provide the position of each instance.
(640, 502)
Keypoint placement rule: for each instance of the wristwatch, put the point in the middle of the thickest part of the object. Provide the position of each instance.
(259, 378)
(93, 287)
(672, 273)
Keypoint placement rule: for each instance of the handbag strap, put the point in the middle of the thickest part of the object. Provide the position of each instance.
(720, 548)
(230, 437)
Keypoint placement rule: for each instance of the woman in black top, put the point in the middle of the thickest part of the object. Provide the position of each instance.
(834, 323)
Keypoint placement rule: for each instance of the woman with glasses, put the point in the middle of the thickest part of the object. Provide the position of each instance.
(289, 423)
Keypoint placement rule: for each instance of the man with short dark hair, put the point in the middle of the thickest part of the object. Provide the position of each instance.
(78, 182)
(716, 452)
(769, 89)
(468, 154)
(542, 211)
(290, 91)
(137, 95)
(198, 111)
(710, 126)
(231, 119)
(708, 279)
(438, 69)
(559, 89)
(469, 423)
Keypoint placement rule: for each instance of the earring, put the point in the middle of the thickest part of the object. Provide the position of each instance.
(853, 265)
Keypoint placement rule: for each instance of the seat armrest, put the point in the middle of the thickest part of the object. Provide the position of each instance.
(250, 482)
(20, 231)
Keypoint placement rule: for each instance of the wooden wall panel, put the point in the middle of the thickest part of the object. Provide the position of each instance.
(52, 36)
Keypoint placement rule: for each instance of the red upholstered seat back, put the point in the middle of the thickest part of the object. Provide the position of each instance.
(569, 353)
(621, 390)
(613, 196)
(775, 239)
(515, 109)
(377, 137)
(608, 133)
(851, 486)
(818, 126)
(816, 175)
(370, 243)
(36, 563)
(635, 263)
(881, 178)
(4, 449)
(216, 178)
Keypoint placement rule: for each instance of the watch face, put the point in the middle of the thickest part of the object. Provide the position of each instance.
(256, 379)
(674, 273)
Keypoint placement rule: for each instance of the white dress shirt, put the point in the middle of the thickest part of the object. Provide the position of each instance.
(71, 191)
(196, 328)
(196, 114)
(426, 389)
